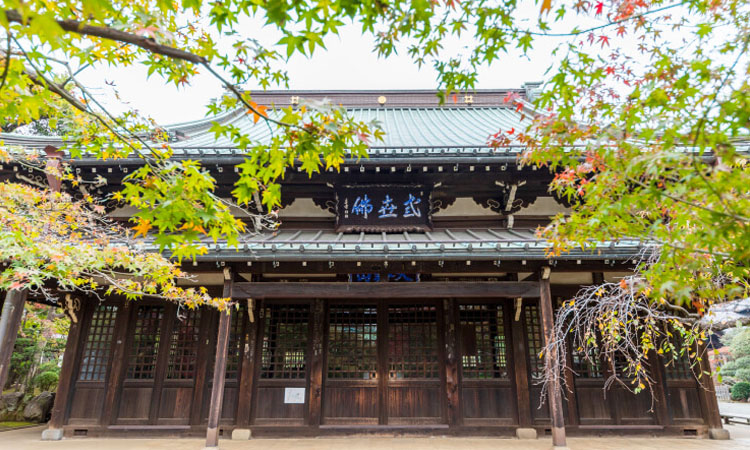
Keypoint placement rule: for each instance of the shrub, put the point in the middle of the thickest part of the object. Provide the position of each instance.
(46, 381)
(741, 391)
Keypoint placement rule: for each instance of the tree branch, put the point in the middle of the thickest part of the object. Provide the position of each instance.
(152, 46)
(145, 43)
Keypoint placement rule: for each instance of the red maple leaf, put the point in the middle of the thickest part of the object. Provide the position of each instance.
(510, 97)
(604, 40)
(519, 106)
(610, 70)
(599, 7)
(621, 30)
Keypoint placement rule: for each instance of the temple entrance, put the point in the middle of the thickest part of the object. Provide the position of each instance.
(383, 365)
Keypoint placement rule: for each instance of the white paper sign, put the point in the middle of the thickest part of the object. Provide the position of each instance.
(294, 395)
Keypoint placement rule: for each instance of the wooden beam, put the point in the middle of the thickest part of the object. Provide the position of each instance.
(554, 396)
(10, 321)
(220, 367)
(436, 289)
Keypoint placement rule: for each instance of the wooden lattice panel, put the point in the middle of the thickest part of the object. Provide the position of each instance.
(236, 329)
(352, 342)
(678, 369)
(584, 368)
(145, 344)
(96, 350)
(285, 334)
(534, 340)
(413, 342)
(183, 347)
(483, 342)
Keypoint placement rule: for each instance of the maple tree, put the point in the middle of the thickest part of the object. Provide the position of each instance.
(643, 118)
(54, 245)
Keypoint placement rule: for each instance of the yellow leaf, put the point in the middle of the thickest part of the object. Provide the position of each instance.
(142, 227)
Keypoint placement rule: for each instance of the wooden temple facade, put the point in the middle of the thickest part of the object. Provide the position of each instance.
(407, 293)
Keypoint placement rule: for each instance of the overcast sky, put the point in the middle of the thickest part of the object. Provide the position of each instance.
(348, 63)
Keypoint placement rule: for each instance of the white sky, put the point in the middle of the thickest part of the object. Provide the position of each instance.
(348, 63)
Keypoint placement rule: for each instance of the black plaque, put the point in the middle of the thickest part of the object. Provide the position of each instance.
(383, 207)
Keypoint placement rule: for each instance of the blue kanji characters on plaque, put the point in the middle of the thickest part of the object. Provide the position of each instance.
(362, 206)
(388, 209)
(412, 210)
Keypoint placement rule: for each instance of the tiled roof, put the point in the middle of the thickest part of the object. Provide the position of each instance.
(417, 131)
(464, 244)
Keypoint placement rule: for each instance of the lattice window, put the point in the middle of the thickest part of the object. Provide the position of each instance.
(98, 344)
(584, 368)
(145, 346)
(678, 369)
(352, 342)
(483, 343)
(236, 331)
(412, 342)
(534, 340)
(285, 341)
(183, 347)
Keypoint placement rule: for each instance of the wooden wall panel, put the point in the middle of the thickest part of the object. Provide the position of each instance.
(593, 409)
(414, 405)
(175, 403)
(684, 403)
(87, 403)
(634, 409)
(229, 406)
(495, 403)
(355, 404)
(135, 404)
(538, 414)
(270, 405)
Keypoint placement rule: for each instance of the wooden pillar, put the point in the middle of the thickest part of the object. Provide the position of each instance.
(660, 389)
(247, 371)
(315, 399)
(382, 342)
(116, 372)
(554, 397)
(570, 382)
(67, 380)
(220, 367)
(10, 321)
(707, 396)
(202, 366)
(450, 313)
(520, 366)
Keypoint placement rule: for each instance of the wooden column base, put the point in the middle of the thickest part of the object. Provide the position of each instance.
(212, 437)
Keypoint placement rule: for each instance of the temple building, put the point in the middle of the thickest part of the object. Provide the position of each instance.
(406, 293)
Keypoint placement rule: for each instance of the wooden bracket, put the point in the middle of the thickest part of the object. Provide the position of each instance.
(518, 308)
(227, 273)
(250, 313)
(545, 272)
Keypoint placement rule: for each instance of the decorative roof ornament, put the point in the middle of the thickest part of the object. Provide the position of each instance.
(381, 100)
